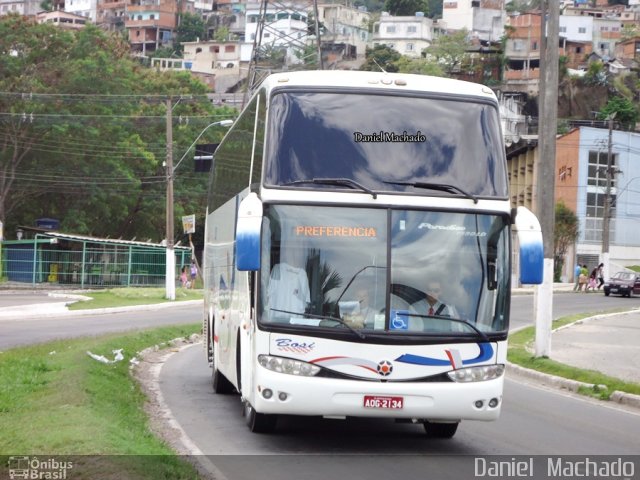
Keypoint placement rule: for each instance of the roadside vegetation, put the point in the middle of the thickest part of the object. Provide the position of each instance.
(56, 399)
(521, 353)
(125, 297)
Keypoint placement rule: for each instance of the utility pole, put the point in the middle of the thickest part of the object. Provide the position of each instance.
(170, 282)
(545, 188)
(318, 41)
(606, 220)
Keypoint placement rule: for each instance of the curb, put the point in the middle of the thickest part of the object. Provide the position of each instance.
(60, 309)
(622, 398)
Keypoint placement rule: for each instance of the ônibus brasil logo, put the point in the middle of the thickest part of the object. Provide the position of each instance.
(35, 469)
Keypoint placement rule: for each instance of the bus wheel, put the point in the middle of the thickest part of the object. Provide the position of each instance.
(440, 430)
(259, 422)
(209, 349)
(219, 382)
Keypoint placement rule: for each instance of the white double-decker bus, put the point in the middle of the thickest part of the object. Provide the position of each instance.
(358, 251)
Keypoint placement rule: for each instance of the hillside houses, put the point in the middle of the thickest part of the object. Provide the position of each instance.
(587, 33)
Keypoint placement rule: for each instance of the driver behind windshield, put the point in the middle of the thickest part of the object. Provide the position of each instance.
(431, 306)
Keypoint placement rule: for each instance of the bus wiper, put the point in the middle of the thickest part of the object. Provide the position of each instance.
(345, 182)
(437, 186)
(480, 333)
(322, 317)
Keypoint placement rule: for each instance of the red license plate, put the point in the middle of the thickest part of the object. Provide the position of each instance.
(376, 401)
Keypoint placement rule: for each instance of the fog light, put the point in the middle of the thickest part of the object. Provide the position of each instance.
(267, 393)
(493, 403)
(282, 396)
(479, 403)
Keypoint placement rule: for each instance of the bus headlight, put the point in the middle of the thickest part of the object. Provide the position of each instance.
(477, 374)
(287, 365)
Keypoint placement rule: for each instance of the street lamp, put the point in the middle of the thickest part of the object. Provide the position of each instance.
(170, 283)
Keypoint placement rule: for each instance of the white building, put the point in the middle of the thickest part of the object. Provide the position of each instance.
(62, 19)
(407, 35)
(215, 63)
(485, 19)
(84, 8)
(345, 24)
(22, 7)
(606, 33)
(283, 27)
(576, 28)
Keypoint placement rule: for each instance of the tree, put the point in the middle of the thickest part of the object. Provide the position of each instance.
(380, 57)
(596, 74)
(419, 66)
(406, 7)
(191, 29)
(308, 56)
(435, 8)
(629, 31)
(523, 5)
(82, 137)
(221, 34)
(450, 51)
(625, 110)
(565, 233)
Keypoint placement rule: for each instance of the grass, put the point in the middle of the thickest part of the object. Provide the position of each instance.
(124, 297)
(55, 399)
(521, 353)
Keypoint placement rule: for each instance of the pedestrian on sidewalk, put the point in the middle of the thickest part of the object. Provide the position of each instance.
(600, 275)
(592, 280)
(183, 277)
(194, 273)
(584, 278)
(576, 274)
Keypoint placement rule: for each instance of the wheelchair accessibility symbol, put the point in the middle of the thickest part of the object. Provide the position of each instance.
(399, 320)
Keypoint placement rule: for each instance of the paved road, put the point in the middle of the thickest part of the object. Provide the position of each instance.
(29, 330)
(534, 421)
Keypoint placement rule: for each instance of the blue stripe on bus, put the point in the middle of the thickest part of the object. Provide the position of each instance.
(486, 353)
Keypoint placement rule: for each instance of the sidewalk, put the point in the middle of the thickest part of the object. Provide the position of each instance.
(607, 343)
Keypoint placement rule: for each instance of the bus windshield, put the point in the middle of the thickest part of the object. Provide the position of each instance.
(387, 143)
(384, 271)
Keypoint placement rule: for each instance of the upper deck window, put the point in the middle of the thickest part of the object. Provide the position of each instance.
(380, 139)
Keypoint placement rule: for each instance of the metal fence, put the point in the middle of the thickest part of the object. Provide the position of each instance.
(87, 263)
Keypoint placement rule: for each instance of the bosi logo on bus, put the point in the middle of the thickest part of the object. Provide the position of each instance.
(289, 345)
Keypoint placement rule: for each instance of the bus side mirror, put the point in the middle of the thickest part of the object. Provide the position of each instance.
(531, 247)
(248, 233)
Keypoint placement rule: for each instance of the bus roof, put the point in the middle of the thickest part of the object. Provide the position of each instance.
(377, 80)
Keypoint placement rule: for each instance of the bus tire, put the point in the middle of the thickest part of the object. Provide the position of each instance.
(209, 347)
(220, 383)
(440, 430)
(259, 422)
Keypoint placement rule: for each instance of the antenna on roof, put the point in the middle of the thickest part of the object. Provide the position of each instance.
(374, 61)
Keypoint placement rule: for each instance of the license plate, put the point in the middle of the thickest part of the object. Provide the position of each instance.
(614, 290)
(375, 401)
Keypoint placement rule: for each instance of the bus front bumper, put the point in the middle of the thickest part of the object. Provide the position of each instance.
(277, 393)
